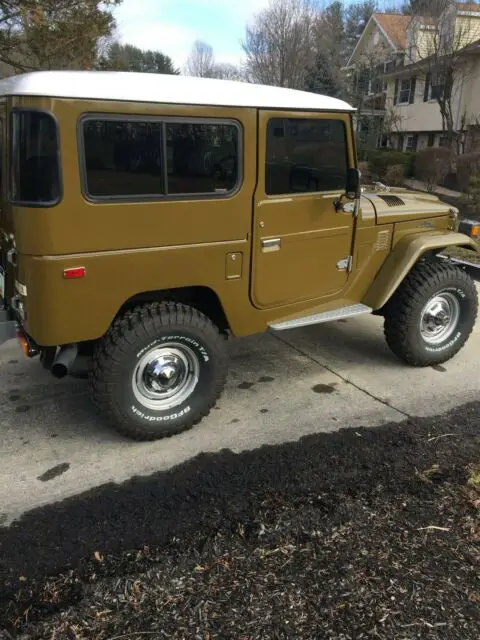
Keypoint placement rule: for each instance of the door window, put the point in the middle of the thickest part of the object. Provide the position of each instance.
(305, 156)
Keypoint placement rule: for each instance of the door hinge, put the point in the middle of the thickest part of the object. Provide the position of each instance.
(345, 264)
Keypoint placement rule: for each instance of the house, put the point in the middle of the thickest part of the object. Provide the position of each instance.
(436, 48)
(380, 49)
(416, 54)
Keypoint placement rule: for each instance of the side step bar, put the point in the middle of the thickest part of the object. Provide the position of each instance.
(318, 318)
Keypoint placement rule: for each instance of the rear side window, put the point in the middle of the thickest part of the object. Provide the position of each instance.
(159, 158)
(34, 173)
(305, 155)
(202, 158)
(123, 158)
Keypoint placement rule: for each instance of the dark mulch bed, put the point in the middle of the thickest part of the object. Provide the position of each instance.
(358, 534)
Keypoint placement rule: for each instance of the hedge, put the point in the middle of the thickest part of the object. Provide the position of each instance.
(468, 166)
(382, 159)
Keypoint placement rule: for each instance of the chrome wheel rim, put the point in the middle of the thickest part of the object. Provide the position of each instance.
(440, 317)
(165, 376)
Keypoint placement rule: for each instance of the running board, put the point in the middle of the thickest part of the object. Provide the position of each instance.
(318, 318)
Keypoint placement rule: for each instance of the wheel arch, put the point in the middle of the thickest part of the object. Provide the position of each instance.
(201, 298)
(404, 256)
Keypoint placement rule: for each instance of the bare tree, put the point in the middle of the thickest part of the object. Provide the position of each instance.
(438, 34)
(227, 71)
(279, 43)
(201, 61)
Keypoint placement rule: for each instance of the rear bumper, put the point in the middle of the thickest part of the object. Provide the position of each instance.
(8, 325)
(11, 328)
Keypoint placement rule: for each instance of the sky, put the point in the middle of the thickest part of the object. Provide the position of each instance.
(172, 26)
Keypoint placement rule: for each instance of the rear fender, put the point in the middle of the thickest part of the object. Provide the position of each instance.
(403, 257)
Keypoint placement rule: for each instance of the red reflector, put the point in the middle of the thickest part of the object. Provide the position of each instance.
(74, 272)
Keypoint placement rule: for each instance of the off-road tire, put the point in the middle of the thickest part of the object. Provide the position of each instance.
(403, 313)
(130, 336)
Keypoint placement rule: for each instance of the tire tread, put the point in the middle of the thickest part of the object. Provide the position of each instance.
(127, 329)
(410, 294)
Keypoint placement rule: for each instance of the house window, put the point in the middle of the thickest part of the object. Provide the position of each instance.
(431, 139)
(412, 141)
(305, 156)
(436, 87)
(405, 91)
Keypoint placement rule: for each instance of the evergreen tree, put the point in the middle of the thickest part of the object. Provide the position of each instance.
(126, 57)
(53, 34)
(319, 78)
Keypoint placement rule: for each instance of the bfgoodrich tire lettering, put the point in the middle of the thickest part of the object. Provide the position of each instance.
(190, 348)
(427, 283)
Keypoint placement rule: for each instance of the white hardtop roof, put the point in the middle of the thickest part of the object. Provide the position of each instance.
(166, 89)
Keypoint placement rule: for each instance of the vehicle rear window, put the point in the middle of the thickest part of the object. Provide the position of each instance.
(305, 155)
(34, 173)
(159, 158)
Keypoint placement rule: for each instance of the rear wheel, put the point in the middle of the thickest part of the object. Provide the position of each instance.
(159, 370)
(432, 314)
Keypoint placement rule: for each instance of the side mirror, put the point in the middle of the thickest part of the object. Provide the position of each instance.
(353, 184)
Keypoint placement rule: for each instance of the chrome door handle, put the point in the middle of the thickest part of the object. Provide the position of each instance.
(271, 244)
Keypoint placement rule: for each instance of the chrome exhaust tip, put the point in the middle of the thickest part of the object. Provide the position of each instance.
(64, 360)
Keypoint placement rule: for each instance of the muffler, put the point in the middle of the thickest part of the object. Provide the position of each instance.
(64, 360)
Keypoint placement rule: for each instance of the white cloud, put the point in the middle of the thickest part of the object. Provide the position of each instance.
(138, 24)
(154, 24)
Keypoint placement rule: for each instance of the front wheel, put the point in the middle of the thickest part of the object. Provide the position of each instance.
(159, 370)
(431, 315)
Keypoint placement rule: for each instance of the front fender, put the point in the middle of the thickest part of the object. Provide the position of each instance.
(402, 258)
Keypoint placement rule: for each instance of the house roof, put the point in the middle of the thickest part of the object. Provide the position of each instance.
(163, 89)
(392, 25)
(395, 27)
(471, 49)
(468, 6)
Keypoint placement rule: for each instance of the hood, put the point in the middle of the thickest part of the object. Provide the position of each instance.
(401, 205)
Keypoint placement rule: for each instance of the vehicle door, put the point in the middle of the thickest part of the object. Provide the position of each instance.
(301, 242)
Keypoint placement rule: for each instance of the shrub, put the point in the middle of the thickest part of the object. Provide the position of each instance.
(473, 193)
(365, 171)
(433, 165)
(395, 175)
(382, 159)
(468, 167)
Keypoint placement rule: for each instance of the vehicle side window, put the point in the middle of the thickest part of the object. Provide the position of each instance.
(34, 168)
(305, 155)
(159, 158)
(123, 158)
(202, 158)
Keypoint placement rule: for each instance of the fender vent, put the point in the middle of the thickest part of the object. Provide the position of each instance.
(383, 241)
(392, 201)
